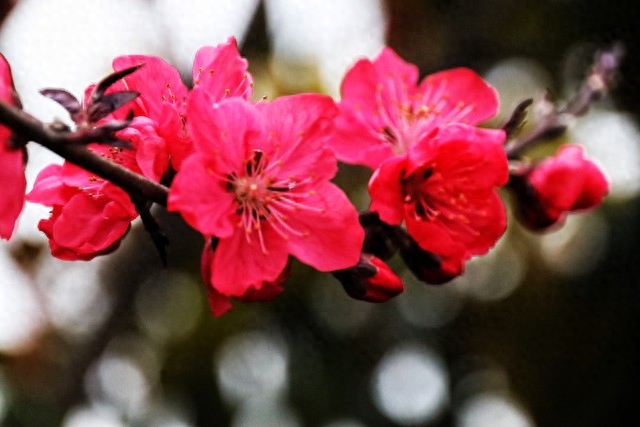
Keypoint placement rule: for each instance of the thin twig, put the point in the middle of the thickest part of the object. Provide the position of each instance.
(151, 226)
(555, 121)
(72, 147)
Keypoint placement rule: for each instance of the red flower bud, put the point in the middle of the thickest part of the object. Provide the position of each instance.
(558, 185)
(429, 267)
(370, 280)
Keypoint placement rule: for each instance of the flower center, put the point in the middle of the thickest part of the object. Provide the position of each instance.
(432, 198)
(266, 196)
(253, 190)
(408, 115)
(416, 194)
(262, 197)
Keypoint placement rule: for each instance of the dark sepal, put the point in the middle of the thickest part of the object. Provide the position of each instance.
(370, 280)
(425, 266)
(379, 237)
(517, 119)
(354, 279)
(107, 82)
(67, 101)
(107, 104)
(528, 209)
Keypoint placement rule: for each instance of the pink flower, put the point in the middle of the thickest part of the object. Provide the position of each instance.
(89, 215)
(384, 111)
(259, 182)
(219, 303)
(558, 185)
(444, 189)
(12, 179)
(220, 71)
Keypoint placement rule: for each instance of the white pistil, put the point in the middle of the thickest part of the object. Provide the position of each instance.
(438, 93)
(279, 223)
(458, 113)
(288, 203)
(373, 132)
(384, 114)
(235, 92)
(264, 200)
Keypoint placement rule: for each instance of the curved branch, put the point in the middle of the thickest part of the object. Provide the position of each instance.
(72, 147)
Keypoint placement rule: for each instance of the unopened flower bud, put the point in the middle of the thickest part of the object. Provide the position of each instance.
(379, 237)
(564, 183)
(370, 280)
(427, 266)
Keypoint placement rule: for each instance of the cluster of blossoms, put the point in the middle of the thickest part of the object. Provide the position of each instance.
(255, 177)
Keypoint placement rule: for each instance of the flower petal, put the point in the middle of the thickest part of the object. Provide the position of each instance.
(222, 72)
(223, 132)
(331, 236)
(12, 178)
(151, 151)
(88, 225)
(157, 81)
(386, 190)
(371, 94)
(238, 264)
(595, 188)
(356, 142)
(48, 189)
(462, 152)
(458, 95)
(299, 127)
(200, 195)
(13, 183)
(434, 238)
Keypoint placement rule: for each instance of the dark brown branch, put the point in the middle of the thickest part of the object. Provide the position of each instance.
(553, 123)
(72, 147)
(596, 84)
(152, 227)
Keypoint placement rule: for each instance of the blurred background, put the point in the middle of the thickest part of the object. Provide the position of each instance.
(543, 331)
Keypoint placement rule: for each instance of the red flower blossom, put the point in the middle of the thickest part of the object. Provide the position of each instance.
(259, 182)
(558, 185)
(220, 71)
(370, 280)
(384, 111)
(219, 303)
(89, 215)
(444, 191)
(12, 177)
